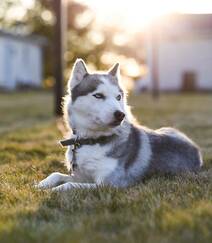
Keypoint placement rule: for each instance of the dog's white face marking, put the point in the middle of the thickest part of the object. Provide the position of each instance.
(96, 100)
(98, 107)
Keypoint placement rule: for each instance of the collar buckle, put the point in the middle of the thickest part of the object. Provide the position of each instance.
(77, 144)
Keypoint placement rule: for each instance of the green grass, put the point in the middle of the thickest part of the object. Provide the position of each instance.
(162, 209)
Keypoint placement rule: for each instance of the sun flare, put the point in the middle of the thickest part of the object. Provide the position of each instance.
(137, 14)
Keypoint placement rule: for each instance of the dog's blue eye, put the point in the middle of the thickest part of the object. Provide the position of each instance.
(99, 96)
(118, 97)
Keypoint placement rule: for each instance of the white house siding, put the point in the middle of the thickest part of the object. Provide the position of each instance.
(11, 63)
(180, 56)
(30, 58)
(20, 63)
(36, 67)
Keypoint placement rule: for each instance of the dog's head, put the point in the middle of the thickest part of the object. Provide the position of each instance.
(95, 101)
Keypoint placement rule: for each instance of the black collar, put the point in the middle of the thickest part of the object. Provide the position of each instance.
(78, 142)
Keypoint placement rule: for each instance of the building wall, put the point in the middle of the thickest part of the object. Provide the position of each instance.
(177, 57)
(20, 63)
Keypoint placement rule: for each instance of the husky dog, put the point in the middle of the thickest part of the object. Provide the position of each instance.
(106, 146)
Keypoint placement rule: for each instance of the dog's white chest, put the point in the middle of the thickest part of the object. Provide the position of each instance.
(92, 161)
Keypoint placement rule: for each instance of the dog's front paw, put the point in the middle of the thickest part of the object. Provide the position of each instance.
(52, 180)
(42, 185)
(64, 187)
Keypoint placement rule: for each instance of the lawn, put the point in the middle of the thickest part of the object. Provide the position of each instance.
(161, 209)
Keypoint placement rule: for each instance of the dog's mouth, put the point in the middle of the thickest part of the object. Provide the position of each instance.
(115, 123)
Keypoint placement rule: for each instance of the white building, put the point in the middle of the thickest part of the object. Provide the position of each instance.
(180, 55)
(20, 61)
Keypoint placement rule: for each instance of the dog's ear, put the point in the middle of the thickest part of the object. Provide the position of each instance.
(114, 71)
(78, 72)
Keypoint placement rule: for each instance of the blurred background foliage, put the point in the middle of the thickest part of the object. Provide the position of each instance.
(98, 45)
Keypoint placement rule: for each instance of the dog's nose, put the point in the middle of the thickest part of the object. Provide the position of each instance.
(119, 115)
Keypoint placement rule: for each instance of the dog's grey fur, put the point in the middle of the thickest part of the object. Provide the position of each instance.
(88, 85)
(131, 144)
(135, 151)
(173, 155)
